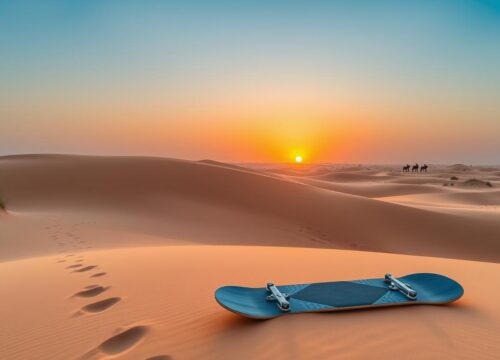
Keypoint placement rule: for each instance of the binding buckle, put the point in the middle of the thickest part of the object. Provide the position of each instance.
(280, 298)
(397, 285)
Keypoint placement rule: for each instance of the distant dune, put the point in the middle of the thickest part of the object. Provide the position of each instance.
(341, 176)
(373, 189)
(477, 183)
(460, 168)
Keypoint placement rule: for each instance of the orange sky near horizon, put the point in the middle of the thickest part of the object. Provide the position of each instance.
(350, 82)
(252, 132)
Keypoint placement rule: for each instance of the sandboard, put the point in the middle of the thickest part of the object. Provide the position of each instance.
(276, 300)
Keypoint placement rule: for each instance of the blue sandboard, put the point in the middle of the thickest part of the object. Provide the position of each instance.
(338, 295)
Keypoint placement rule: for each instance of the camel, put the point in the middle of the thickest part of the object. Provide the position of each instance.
(423, 168)
(406, 168)
(414, 168)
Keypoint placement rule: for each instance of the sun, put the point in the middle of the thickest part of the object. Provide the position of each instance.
(298, 159)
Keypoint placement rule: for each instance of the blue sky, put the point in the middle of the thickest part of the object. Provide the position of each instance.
(73, 71)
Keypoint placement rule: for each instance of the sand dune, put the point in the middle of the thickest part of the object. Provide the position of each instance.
(460, 168)
(236, 167)
(351, 177)
(165, 197)
(461, 198)
(480, 205)
(372, 189)
(119, 257)
(298, 170)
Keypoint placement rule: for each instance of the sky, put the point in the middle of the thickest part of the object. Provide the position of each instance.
(253, 81)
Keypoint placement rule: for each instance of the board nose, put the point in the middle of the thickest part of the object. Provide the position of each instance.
(250, 302)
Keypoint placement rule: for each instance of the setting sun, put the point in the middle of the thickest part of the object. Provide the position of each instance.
(298, 159)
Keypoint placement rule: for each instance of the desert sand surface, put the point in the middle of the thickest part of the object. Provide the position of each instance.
(119, 257)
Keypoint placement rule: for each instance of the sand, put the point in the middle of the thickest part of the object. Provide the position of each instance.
(119, 257)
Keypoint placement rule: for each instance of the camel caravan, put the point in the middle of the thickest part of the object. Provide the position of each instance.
(415, 168)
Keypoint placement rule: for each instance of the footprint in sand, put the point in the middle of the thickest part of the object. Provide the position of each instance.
(94, 291)
(61, 261)
(86, 268)
(160, 357)
(119, 343)
(124, 340)
(73, 266)
(98, 275)
(100, 306)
